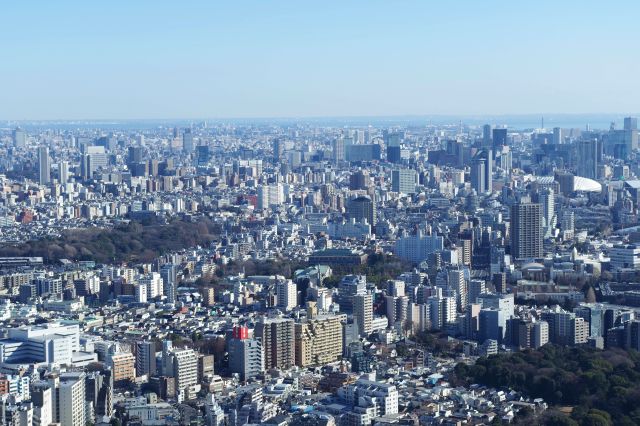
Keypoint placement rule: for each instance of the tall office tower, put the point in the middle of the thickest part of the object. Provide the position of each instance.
(278, 150)
(588, 159)
(526, 230)
(499, 280)
(359, 180)
(476, 288)
(482, 171)
(499, 138)
(631, 132)
(145, 359)
(404, 181)
(362, 208)
(457, 282)
(71, 399)
(169, 274)
(245, 355)
(134, 155)
(277, 336)
(44, 165)
(487, 154)
(547, 199)
(338, 145)
(187, 141)
(63, 172)
(287, 295)
(202, 156)
(94, 158)
(392, 138)
(478, 166)
(185, 368)
(363, 313)
(557, 136)
(358, 137)
(319, 339)
(486, 136)
(154, 167)
(19, 138)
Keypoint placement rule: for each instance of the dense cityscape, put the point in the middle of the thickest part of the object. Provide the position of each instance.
(233, 273)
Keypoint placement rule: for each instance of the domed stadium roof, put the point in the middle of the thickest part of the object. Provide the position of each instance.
(584, 184)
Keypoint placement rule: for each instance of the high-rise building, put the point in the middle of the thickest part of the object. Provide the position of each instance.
(202, 156)
(319, 339)
(123, 365)
(631, 132)
(270, 196)
(169, 273)
(417, 248)
(19, 138)
(187, 141)
(44, 166)
(442, 310)
(338, 145)
(363, 313)
(526, 230)
(362, 208)
(134, 155)
(361, 153)
(63, 172)
(145, 359)
(499, 280)
(456, 281)
(587, 164)
(287, 295)
(557, 136)
(404, 181)
(94, 158)
(482, 171)
(397, 310)
(359, 180)
(99, 391)
(278, 150)
(549, 220)
(499, 139)
(246, 355)
(42, 398)
(540, 334)
(185, 368)
(71, 399)
(492, 325)
(476, 288)
(486, 136)
(478, 166)
(277, 336)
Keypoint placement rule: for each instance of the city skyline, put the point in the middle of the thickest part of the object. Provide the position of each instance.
(130, 61)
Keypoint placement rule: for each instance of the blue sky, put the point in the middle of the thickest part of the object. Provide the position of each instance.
(210, 59)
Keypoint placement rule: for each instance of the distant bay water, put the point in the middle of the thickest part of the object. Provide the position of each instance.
(514, 122)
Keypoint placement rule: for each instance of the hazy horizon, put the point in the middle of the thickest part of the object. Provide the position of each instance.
(74, 60)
